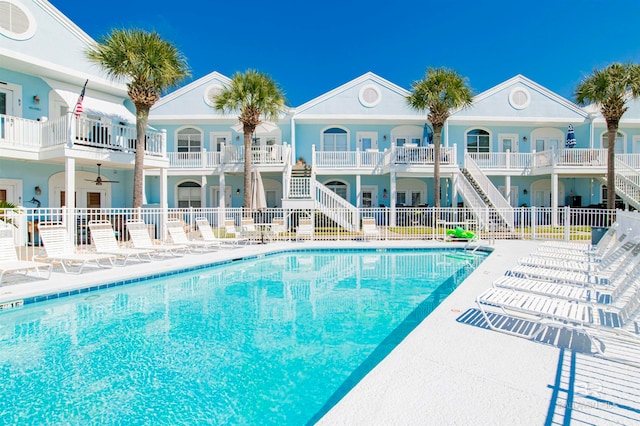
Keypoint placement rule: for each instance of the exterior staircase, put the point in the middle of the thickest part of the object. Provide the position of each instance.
(304, 192)
(500, 213)
(627, 183)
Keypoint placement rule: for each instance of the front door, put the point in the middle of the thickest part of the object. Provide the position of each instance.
(369, 196)
(367, 140)
(215, 197)
(508, 143)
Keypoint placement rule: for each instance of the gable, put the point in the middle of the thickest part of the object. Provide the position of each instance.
(367, 96)
(519, 99)
(52, 46)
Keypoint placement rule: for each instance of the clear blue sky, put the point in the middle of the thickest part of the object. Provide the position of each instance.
(310, 48)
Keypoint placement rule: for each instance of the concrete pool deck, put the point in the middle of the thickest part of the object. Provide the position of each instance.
(449, 370)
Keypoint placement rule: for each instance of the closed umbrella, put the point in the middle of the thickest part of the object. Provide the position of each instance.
(258, 199)
(571, 138)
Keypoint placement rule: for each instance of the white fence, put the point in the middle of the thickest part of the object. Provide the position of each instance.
(405, 223)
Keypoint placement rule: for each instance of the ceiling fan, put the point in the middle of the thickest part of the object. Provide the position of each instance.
(99, 180)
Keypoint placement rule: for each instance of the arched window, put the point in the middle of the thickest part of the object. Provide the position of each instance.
(189, 195)
(189, 140)
(478, 141)
(335, 139)
(619, 143)
(338, 187)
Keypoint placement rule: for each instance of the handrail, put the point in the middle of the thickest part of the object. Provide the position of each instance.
(503, 207)
(473, 200)
(336, 207)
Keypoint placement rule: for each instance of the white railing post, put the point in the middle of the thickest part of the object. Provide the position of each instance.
(454, 155)
(567, 223)
(313, 155)
(533, 222)
(507, 161)
(358, 159)
(163, 142)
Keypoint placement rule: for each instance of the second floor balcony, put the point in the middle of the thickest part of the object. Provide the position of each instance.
(270, 155)
(19, 135)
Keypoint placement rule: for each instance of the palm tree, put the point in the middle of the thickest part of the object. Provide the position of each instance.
(255, 96)
(151, 65)
(610, 89)
(439, 92)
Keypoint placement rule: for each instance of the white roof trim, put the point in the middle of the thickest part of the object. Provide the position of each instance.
(215, 75)
(368, 76)
(95, 103)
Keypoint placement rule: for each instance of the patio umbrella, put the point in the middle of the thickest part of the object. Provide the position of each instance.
(258, 199)
(264, 127)
(427, 135)
(571, 138)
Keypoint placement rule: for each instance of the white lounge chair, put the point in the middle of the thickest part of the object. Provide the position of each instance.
(598, 249)
(305, 229)
(178, 236)
(9, 261)
(140, 238)
(59, 248)
(206, 232)
(617, 253)
(232, 234)
(249, 230)
(596, 321)
(105, 242)
(277, 229)
(370, 229)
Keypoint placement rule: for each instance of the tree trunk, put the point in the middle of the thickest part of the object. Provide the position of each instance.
(142, 117)
(248, 132)
(437, 135)
(612, 132)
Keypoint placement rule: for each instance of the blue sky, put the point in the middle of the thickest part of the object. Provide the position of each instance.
(310, 48)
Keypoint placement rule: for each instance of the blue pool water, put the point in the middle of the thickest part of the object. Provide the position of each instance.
(273, 340)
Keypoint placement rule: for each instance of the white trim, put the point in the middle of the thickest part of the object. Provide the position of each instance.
(512, 100)
(185, 127)
(205, 95)
(514, 136)
(348, 186)
(14, 185)
(624, 141)
(324, 129)
(185, 180)
(17, 98)
(366, 103)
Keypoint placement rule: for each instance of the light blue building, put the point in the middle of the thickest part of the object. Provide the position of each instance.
(364, 147)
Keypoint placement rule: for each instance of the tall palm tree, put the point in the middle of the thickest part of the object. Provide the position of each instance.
(439, 92)
(150, 65)
(254, 96)
(610, 89)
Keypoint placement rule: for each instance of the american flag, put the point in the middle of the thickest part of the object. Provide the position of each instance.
(78, 109)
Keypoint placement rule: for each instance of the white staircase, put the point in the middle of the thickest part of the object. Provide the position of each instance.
(304, 192)
(627, 183)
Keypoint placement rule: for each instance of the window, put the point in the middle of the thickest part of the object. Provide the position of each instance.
(335, 139)
(619, 142)
(478, 141)
(16, 22)
(605, 197)
(519, 98)
(401, 199)
(189, 195)
(369, 96)
(339, 188)
(189, 140)
(3, 195)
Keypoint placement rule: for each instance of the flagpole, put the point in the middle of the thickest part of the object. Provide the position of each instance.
(77, 109)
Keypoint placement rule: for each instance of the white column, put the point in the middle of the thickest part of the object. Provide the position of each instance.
(446, 133)
(203, 191)
(359, 191)
(507, 188)
(293, 141)
(392, 201)
(164, 205)
(454, 190)
(554, 199)
(221, 199)
(69, 192)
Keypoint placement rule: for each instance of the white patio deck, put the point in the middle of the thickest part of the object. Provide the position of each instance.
(448, 370)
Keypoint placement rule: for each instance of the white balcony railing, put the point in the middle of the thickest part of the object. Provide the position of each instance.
(582, 157)
(19, 132)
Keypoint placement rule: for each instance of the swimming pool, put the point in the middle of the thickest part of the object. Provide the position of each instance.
(275, 339)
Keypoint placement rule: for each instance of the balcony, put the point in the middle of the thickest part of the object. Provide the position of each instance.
(398, 157)
(19, 134)
(271, 155)
(542, 161)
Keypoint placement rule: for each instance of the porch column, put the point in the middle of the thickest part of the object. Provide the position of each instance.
(392, 201)
(163, 201)
(203, 191)
(292, 160)
(69, 192)
(222, 192)
(446, 133)
(507, 188)
(359, 191)
(554, 199)
(454, 189)
(144, 186)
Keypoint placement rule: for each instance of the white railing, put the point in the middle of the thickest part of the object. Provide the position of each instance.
(502, 160)
(187, 160)
(17, 131)
(423, 155)
(497, 199)
(543, 159)
(405, 223)
(632, 160)
(627, 183)
(582, 157)
(260, 155)
(477, 206)
(336, 207)
(349, 159)
(56, 132)
(299, 188)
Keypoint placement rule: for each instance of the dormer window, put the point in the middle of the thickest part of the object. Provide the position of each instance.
(16, 22)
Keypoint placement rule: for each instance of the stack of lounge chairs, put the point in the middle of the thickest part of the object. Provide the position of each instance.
(597, 295)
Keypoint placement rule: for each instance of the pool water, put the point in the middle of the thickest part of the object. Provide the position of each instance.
(270, 340)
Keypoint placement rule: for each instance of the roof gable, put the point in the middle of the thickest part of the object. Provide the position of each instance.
(521, 99)
(366, 96)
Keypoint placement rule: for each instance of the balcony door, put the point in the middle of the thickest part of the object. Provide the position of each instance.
(367, 141)
(6, 108)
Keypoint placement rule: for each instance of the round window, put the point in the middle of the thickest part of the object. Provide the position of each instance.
(210, 93)
(15, 21)
(370, 95)
(519, 98)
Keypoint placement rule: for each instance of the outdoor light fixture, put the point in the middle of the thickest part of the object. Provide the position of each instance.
(36, 99)
(384, 137)
(524, 138)
(525, 192)
(384, 193)
(238, 191)
(37, 190)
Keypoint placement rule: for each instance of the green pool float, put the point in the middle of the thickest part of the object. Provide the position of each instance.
(460, 233)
